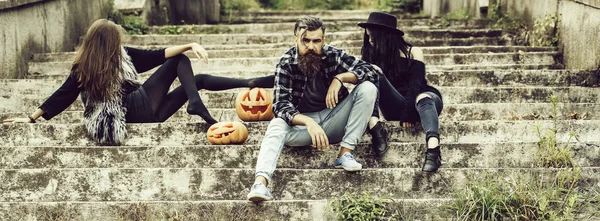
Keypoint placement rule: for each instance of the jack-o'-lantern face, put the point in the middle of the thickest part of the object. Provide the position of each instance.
(227, 133)
(254, 105)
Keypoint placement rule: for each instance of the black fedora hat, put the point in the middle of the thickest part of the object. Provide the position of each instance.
(383, 21)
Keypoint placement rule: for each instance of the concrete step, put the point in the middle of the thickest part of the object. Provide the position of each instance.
(193, 184)
(270, 38)
(332, 26)
(309, 210)
(483, 41)
(176, 134)
(466, 78)
(434, 62)
(262, 51)
(28, 100)
(292, 16)
(557, 78)
(451, 112)
(400, 155)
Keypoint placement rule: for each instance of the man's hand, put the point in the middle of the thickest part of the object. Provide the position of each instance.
(319, 138)
(332, 94)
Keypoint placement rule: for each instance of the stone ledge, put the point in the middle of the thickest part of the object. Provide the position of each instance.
(8, 4)
(591, 3)
(314, 210)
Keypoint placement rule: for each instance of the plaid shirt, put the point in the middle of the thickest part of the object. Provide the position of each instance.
(290, 81)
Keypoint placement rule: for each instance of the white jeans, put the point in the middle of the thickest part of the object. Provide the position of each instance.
(345, 124)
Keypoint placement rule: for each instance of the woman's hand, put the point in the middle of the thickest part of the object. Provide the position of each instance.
(199, 51)
(17, 120)
(407, 124)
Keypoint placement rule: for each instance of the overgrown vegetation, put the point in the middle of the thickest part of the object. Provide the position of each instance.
(362, 208)
(550, 195)
(544, 32)
(133, 24)
(524, 196)
(228, 7)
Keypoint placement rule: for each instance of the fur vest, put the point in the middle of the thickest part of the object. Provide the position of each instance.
(105, 120)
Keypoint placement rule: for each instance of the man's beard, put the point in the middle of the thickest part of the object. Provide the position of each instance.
(310, 64)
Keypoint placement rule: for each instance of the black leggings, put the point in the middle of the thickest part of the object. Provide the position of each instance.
(428, 108)
(165, 103)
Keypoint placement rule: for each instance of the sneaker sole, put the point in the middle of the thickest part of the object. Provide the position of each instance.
(349, 169)
(258, 198)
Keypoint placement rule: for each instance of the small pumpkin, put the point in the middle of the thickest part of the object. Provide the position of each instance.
(254, 105)
(227, 133)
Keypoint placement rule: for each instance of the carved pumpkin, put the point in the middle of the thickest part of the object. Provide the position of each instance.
(227, 133)
(254, 105)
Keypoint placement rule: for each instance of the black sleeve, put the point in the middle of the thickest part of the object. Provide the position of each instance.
(416, 86)
(61, 99)
(144, 60)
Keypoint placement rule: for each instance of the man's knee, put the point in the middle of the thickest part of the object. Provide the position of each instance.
(367, 88)
(278, 124)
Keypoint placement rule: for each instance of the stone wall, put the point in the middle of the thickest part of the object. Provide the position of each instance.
(578, 29)
(38, 26)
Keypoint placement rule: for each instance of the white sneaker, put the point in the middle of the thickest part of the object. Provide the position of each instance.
(348, 163)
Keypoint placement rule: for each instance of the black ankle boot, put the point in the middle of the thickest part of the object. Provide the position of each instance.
(379, 139)
(433, 160)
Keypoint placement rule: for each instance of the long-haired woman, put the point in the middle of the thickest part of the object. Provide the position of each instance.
(404, 94)
(105, 73)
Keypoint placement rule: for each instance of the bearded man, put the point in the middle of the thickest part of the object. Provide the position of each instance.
(311, 104)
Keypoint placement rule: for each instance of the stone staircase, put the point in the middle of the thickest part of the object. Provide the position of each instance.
(495, 94)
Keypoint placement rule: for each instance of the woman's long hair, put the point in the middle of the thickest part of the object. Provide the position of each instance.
(386, 52)
(97, 65)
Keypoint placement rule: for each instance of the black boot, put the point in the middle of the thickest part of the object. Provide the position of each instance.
(433, 160)
(379, 139)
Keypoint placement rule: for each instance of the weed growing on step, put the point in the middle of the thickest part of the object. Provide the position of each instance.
(170, 30)
(462, 16)
(539, 195)
(200, 212)
(135, 212)
(550, 153)
(60, 212)
(522, 196)
(362, 207)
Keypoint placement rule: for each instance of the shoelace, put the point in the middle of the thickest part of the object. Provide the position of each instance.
(349, 156)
